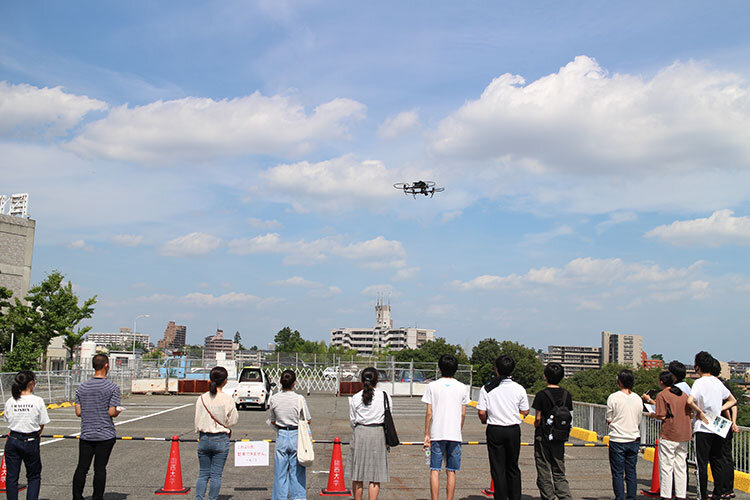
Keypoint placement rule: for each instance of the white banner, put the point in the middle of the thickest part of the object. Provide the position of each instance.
(251, 454)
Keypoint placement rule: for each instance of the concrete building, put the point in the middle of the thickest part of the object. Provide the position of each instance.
(57, 354)
(382, 335)
(739, 368)
(122, 338)
(217, 343)
(574, 358)
(16, 252)
(648, 364)
(174, 337)
(624, 349)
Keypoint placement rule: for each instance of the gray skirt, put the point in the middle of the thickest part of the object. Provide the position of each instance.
(368, 457)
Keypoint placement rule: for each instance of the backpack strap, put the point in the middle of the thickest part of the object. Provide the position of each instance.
(548, 393)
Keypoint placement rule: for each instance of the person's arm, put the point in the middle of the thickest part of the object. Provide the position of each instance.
(463, 415)
(731, 401)
(482, 414)
(113, 411)
(698, 412)
(232, 416)
(610, 410)
(733, 413)
(427, 424)
(482, 406)
(78, 410)
(114, 402)
(523, 405)
(307, 411)
(538, 419)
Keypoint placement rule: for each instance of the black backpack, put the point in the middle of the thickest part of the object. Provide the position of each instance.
(560, 420)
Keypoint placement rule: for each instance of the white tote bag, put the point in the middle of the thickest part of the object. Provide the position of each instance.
(305, 453)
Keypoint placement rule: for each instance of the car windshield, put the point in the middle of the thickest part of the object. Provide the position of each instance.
(251, 375)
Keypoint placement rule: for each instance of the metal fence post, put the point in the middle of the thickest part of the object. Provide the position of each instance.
(591, 418)
(49, 388)
(2, 389)
(411, 378)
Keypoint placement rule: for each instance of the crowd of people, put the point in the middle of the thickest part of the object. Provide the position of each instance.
(686, 413)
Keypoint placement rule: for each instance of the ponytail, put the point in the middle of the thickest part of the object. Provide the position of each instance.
(288, 377)
(369, 379)
(218, 376)
(22, 380)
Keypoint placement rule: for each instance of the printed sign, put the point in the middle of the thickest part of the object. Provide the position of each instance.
(718, 424)
(251, 454)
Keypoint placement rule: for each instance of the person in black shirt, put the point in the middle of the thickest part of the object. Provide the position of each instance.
(549, 454)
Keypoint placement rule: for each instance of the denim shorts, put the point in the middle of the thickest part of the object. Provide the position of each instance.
(450, 450)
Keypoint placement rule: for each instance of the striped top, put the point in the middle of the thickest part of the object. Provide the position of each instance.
(96, 396)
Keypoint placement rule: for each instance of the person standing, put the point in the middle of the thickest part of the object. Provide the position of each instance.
(97, 404)
(289, 477)
(549, 454)
(724, 488)
(26, 415)
(500, 402)
(624, 409)
(708, 393)
(675, 413)
(446, 400)
(215, 414)
(367, 461)
(678, 371)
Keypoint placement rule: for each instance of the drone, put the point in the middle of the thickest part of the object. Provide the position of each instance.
(419, 187)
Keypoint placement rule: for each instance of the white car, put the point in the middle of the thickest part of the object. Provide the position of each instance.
(253, 388)
(332, 372)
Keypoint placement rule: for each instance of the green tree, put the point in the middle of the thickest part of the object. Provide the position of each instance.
(529, 370)
(25, 355)
(431, 351)
(657, 356)
(73, 340)
(288, 341)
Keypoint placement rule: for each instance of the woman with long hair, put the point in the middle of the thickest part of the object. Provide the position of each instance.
(215, 414)
(367, 461)
(26, 415)
(285, 410)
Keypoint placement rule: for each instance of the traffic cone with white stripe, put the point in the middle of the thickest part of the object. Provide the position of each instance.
(173, 480)
(3, 476)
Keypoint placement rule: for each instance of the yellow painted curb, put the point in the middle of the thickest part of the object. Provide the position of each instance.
(66, 404)
(473, 403)
(605, 440)
(583, 434)
(529, 419)
(648, 454)
(53, 406)
(741, 479)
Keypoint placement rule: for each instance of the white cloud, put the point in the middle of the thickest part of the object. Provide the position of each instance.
(589, 305)
(26, 110)
(402, 123)
(453, 214)
(375, 253)
(194, 128)
(330, 185)
(127, 240)
(616, 219)
(263, 224)
(695, 290)
(721, 228)
(406, 274)
(297, 281)
(584, 120)
(547, 236)
(80, 245)
(206, 299)
(190, 245)
(376, 290)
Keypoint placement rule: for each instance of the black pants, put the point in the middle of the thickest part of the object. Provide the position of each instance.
(504, 446)
(17, 451)
(727, 484)
(709, 449)
(99, 451)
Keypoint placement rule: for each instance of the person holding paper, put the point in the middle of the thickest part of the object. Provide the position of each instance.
(725, 484)
(289, 477)
(215, 413)
(708, 393)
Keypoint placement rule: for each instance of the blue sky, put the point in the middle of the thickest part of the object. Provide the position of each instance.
(231, 165)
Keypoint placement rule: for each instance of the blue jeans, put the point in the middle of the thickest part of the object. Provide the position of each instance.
(622, 460)
(448, 451)
(288, 475)
(212, 455)
(17, 451)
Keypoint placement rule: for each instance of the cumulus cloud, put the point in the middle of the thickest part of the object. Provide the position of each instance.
(330, 185)
(191, 245)
(376, 253)
(406, 274)
(80, 245)
(263, 224)
(584, 120)
(402, 123)
(197, 128)
(27, 111)
(379, 290)
(127, 240)
(721, 228)
(616, 219)
(206, 299)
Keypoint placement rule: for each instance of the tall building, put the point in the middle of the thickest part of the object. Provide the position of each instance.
(16, 252)
(382, 335)
(574, 358)
(217, 343)
(122, 338)
(174, 337)
(624, 349)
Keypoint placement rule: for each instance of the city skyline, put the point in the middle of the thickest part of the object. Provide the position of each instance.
(232, 166)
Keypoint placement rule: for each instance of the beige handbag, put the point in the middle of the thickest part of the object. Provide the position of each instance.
(305, 453)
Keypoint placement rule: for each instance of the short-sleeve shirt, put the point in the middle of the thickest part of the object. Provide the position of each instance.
(504, 403)
(447, 397)
(374, 413)
(543, 404)
(283, 408)
(677, 427)
(96, 396)
(709, 394)
(624, 413)
(26, 414)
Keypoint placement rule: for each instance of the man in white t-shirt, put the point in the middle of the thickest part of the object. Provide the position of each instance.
(501, 404)
(707, 393)
(446, 400)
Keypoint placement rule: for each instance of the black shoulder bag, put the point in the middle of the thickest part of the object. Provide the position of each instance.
(391, 436)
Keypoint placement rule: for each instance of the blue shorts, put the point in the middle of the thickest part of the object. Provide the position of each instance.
(450, 450)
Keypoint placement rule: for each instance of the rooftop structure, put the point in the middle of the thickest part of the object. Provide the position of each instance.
(122, 338)
(174, 337)
(217, 343)
(621, 348)
(16, 252)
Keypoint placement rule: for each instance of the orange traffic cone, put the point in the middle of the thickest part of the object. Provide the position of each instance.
(655, 484)
(336, 486)
(490, 492)
(173, 480)
(3, 475)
